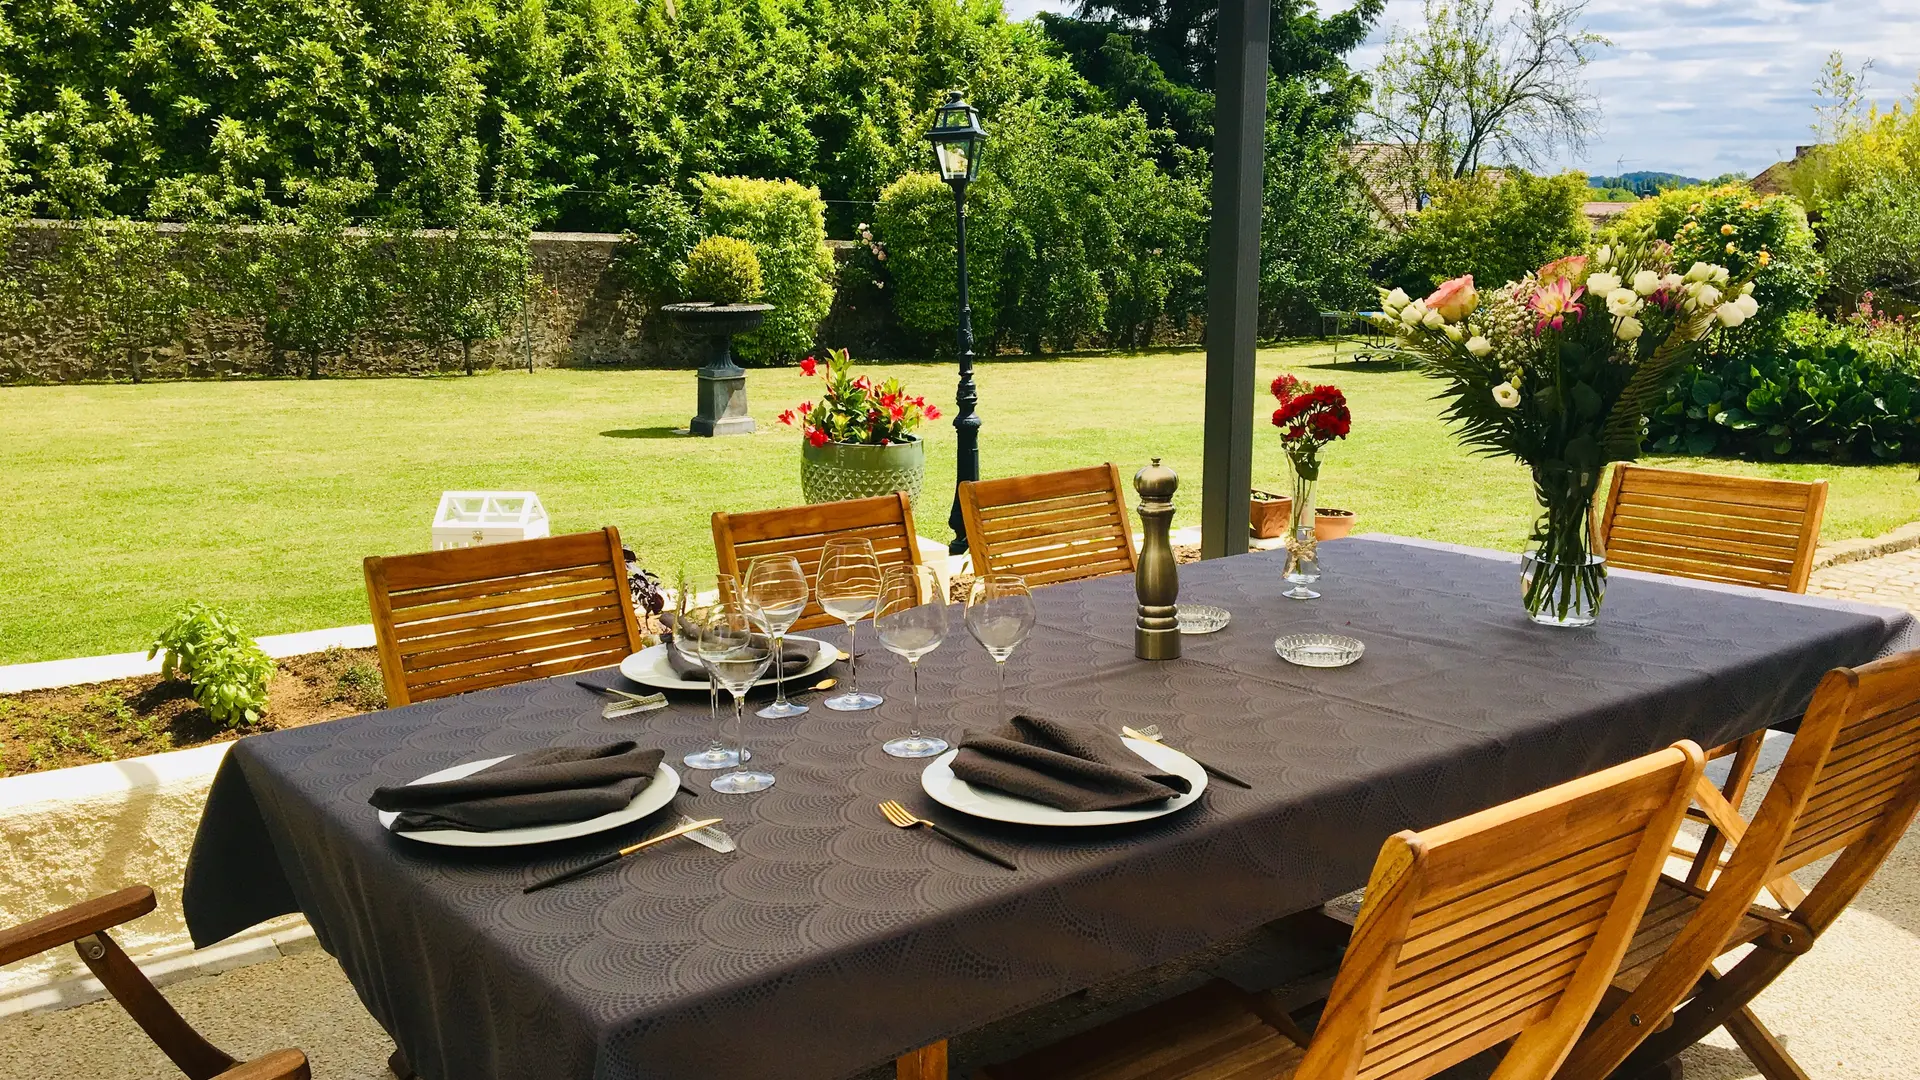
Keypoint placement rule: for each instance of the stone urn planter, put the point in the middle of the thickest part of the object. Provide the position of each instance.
(834, 471)
(721, 407)
(1331, 524)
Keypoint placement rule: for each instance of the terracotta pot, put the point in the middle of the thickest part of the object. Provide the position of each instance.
(1332, 524)
(1270, 514)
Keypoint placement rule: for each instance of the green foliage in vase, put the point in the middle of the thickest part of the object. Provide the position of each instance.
(1496, 229)
(227, 671)
(722, 270)
(786, 224)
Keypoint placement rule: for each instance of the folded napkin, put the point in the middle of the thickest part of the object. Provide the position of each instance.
(1064, 766)
(543, 787)
(794, 658)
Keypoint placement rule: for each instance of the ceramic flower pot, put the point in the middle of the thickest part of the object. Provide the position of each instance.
(1331, 524)
(835, 471)
(1269, 514)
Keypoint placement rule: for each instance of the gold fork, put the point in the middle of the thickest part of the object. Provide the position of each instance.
(904, 818)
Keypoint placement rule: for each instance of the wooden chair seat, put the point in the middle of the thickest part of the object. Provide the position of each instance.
(1673, 904)
(1049, 527)
(471, 618)
(885, 521)
(1215, 1032)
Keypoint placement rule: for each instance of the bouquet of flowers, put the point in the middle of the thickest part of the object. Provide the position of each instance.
(1558, 370)
(856, 410)
(1309, 417)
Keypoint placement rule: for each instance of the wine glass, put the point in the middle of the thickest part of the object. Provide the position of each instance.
(911, 620)
(848, 587)
(1000, 616)
(691, 613)
(776, 594)
(738, 657)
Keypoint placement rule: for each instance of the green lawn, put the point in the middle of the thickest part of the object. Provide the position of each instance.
(123, 502)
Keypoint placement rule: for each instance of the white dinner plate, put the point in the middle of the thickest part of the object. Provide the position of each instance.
(649, 666)
(956, 794)
(666, 783)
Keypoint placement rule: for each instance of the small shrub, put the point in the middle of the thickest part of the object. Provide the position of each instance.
(786, 222)
(1495, 231)
(227, 671)
(1732, 225)
(722, 270)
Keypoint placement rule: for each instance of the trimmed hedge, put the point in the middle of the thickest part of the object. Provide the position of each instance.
(786, 223)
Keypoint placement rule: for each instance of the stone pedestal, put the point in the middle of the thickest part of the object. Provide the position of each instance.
(720, 407)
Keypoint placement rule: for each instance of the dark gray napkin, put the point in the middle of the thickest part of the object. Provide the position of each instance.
(542, 787)
(794, 658)
(1065, 766)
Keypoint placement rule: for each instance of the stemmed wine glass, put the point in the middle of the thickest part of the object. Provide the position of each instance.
(738, 658)
(691, 615)
(848, 587)
(1000, 616)
(912, 622)
(776, 594)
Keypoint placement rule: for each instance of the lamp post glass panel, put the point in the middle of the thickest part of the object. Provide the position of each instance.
(957, 138)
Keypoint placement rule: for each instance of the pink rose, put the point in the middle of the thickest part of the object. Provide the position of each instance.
(1454, 299)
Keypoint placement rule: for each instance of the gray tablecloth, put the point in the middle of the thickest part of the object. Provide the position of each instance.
(832, 941)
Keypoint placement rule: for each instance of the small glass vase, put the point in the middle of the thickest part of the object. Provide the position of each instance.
(1303, 563)
(1562, 581)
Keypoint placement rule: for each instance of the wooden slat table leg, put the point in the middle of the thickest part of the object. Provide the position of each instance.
(926, 1063)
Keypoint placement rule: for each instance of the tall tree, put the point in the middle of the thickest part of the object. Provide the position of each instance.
(1464, 85)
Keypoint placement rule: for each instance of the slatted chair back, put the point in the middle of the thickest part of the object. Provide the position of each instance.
(1049, 527)
(465, 619)
(886, 521)
(1849, 784)
(1507, 924)
(1736, 529)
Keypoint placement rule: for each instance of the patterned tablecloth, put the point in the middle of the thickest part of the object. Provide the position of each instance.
(831, 941)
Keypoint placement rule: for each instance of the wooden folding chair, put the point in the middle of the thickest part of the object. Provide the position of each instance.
(85, 926)
(1734, 529)
(469, 618)
(886, 521)
(1504, 925)
(1849, 785)
(1049, 527)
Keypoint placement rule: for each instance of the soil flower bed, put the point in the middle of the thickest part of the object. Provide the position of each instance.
(106, 721)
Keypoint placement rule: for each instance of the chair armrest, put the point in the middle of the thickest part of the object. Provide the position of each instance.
(74, 923)
(279, 1065)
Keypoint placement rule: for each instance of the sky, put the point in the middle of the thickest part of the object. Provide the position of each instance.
(1704, 87)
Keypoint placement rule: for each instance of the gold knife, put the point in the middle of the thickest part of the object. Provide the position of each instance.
(621, 854)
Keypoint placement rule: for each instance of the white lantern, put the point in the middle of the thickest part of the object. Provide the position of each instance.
(472, 518)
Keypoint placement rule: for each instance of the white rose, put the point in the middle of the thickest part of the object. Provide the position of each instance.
(1627, 329)
(1720, 275)
(1506, 396)
(1413, 313)
(1699, 272)
(1747, 289)
(1672, 282)
(1432, 320)
(1747, 304)
(1604, 256)
(1396, 300)
(1479, 346)
(1646, 283)
(1730, 315)
(1706, 296)
(1602, 284)
(1455, 334)
(1622, 302)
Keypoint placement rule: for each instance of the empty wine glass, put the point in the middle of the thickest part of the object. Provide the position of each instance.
(738, 658)
(912, 621)
(691, 613)
(1000, 616)
(848, 586)
(776, 594)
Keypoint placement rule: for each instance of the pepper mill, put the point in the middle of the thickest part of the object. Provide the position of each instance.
(1156, 582)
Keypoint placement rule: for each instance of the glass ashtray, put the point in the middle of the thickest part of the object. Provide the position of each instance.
(1319, 650)
(1200, 619)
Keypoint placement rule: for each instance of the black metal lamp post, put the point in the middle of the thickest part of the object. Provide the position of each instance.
(957, 137)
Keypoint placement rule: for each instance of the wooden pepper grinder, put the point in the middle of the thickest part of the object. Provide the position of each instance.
(1156, 581)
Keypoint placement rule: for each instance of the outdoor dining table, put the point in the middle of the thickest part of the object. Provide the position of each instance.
(831, 942)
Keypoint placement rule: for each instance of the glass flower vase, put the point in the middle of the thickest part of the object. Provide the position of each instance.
(1303, 562)
(1562, 582)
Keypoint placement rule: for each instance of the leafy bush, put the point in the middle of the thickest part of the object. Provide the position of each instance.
(466, 284)
(786, 223)
(1814, 389)
(723, 270)
(914, 226)
(227, 671)
(1742, 231)
(1497, 229)
(1318, 240)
